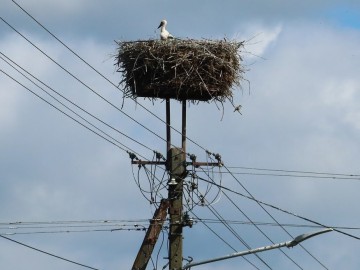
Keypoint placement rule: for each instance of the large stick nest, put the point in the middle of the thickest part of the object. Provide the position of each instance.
(197, 70)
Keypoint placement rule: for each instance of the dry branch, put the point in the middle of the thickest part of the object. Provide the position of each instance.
(196, 70)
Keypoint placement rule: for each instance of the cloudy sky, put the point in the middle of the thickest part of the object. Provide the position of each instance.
(295, 146)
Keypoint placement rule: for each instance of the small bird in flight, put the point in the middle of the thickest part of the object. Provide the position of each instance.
(164, 34)
(237, 108)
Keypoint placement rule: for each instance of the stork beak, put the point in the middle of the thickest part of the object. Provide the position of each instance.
(161, 24)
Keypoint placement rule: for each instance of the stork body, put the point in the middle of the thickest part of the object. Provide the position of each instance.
(164, 34)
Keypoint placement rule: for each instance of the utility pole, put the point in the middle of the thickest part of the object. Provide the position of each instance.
(182, 70)
(176, 167)
(177, 171)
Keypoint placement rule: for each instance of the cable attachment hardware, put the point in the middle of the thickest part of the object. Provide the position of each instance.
(187, 221)
(202, 200)
(192, 157)
(159, 156)
(218, 158)
(189, 259)
(132, 156)
(193, 187)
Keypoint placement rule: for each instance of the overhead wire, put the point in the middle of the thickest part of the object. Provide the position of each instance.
(61, 222)
(51, 225)
(203, 148)
(288, 212)
(273, 224)
(78, 115)
(71, 231)
(65, 98)
(48, 253)
(273, 218)
(222, 239)
(108, 80)
(81, 82)
(52, 105)
(99, 73)
(297, 175)
(257, 227)
(222, 220)
(14, 228)
(294, 171)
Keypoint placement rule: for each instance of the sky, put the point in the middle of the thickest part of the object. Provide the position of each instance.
(69, 192)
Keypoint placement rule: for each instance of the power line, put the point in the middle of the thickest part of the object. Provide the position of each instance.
(72, 231)
(77, 106)
(48, 253)
(282, 210)
(145, 222)
(294, 175)
(99, 73)
(293, 171)
(77, 121)
(228, 172)
(59, 222)
(222, 239)
(257, 227)
(272, 217)
(221, 219)
(81, 82)
(273, 224)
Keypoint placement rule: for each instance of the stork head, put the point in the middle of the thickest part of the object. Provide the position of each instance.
(162, 23)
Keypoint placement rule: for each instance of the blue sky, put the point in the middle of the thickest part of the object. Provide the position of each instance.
(300, 112)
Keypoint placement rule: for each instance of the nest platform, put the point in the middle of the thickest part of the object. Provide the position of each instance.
(197, 70)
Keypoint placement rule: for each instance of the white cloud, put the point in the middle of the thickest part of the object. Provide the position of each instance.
(258, 38)
(342, 97)
(302, 113)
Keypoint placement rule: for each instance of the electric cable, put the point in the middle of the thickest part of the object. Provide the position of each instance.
(273, 224)
(48, 253)
(229, 171)
(62, 96)
(88, 122)
(222, 220)
(58, 222)
(81, 82)
(288, 212)
(77, 121)
(293, 171)
(295, 176)
(99, 73)
(223, 240)
(272, 217)
(71, 231)
(261, 231)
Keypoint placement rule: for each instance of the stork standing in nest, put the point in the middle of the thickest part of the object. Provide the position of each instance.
(164, 34)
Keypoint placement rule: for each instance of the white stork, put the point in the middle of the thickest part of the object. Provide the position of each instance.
(164, 34)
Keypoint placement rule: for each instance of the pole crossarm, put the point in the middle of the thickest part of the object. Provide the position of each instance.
(151, 236)
(195, 164)
(147, 162)
(209, 164)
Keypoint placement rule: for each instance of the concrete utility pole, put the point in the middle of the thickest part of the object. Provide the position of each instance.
(177, 170)
(176, 167)
(177, 173)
